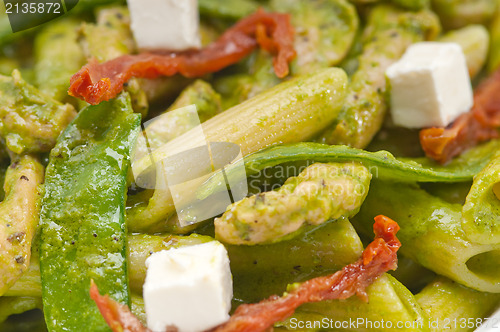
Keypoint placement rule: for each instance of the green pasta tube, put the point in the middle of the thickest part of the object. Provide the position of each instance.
(474, 40)
(324, 33)
(412, 275)
(82, 223)
(17, 305)
(391, 307)
(110, 38)
(324, 30)
(412, 4)
(452, 307)
(58, 56)
(230, 10)
(319, 193)
(264, 270)
(431, 234)
(31, 121)
(494, 54)
(456, 14)
(388, 33)
(481, 212)
(289, 112)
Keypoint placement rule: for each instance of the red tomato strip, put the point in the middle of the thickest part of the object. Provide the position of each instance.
(478, 125)
(379, 257)
(97, 82)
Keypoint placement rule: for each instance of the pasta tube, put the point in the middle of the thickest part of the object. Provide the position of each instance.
(58, 56)
(31, 121)
(110, 38)
(474, 40)
(388, 33)
(452, 307)
(82, 223)
(319, 193)
(19, 214)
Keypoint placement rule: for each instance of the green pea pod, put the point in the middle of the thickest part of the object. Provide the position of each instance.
(481, 212)
(388, 33)
(31, 121)
(431, 234)
(83, 232)
(445, 302)
(381, 164)
(58, 56)
(456, 14)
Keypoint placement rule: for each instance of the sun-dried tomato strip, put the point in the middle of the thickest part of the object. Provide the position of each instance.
(97, 82)
(378, 257)
(118, 316)
(478, 125)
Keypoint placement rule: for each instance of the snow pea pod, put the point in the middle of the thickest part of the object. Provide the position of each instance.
(83, 232)
(382, 164)
(444, 300)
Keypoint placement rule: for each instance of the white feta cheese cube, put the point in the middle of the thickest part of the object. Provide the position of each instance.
(189, 287)
(429, 85)
(165, 24)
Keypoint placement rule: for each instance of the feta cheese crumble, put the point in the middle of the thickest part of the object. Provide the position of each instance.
(165, 24)
(190, 288)
(429, 85)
